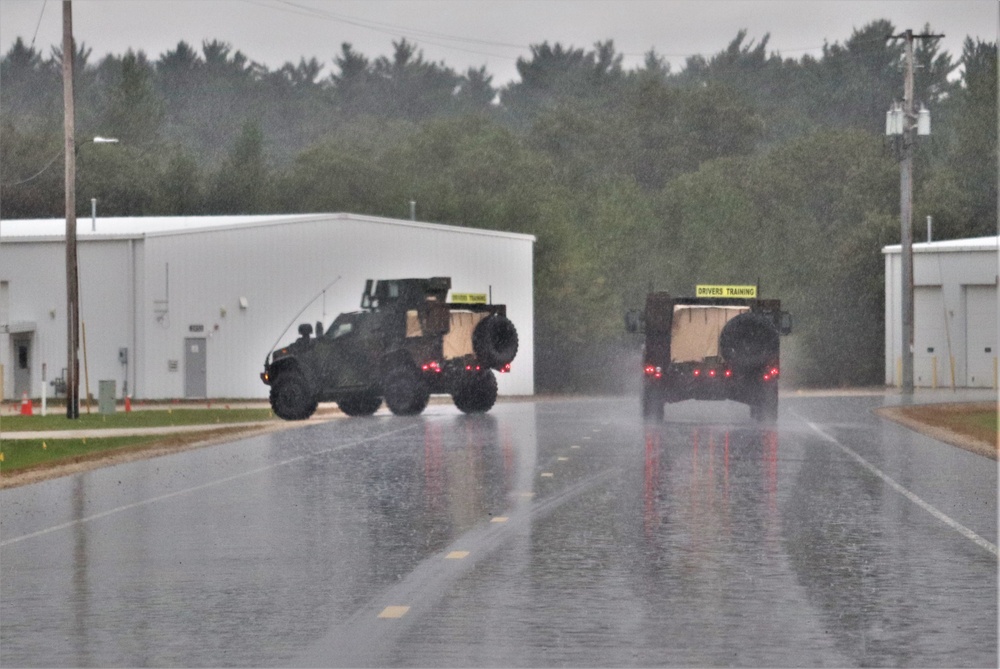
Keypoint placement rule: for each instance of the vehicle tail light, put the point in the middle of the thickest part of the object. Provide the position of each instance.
(697, 372)
(711, 373)
(505, 368)
(432, 367)
(729, 373)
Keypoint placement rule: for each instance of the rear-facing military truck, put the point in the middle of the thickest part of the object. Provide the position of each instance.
(723, 344)
(406, 343)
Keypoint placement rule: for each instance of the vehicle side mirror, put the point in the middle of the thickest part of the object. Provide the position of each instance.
(319, 329)
(784, 323)
(305, 329)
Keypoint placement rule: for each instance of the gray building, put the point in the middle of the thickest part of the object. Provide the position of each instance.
(954, 314)
(188, 307)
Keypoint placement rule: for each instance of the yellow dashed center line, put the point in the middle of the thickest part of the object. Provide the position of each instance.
(562, 458)
(457, 555)
(547, 475)
(394, 612)
(499, 519)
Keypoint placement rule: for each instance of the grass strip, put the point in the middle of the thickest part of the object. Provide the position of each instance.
(972, 420)
(21, 454)
(133, 419)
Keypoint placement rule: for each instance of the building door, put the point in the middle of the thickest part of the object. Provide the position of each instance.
(21, 345)
(931, 344)
(980, 336)
(195, 367)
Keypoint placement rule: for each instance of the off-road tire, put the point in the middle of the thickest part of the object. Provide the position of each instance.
(405, 392)
(477, 393)
(494, 341)
(360, 405)
(749, 341)
(291, 398)
(766, 408)
(652, 404)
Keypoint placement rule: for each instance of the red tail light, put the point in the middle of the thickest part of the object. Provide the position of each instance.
(432, 367)
(697, 372)
(729, 373)
(711, 373)
(505, 368)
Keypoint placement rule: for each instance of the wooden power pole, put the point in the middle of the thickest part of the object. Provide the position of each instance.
(906, 208)
(72, 284)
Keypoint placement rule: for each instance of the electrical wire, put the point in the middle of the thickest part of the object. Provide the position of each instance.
(35, 175)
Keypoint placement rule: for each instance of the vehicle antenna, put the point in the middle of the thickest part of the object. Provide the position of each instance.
(320, 293)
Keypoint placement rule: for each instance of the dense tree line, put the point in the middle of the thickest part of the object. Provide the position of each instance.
(743, 167)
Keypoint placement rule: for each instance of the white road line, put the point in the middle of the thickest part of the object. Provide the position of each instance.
(953, 524)
(185, 491)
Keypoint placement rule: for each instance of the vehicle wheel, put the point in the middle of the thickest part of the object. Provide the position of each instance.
(405, 393)
(652, 404)
(477, 394)
(360, 405)
(291, 398)
(495, 341)
(767, 406)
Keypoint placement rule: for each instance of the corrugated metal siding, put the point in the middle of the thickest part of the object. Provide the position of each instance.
(278, 269)
(36, 275)
(942, 271)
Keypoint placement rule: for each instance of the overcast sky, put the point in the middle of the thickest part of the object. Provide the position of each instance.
(474, 33)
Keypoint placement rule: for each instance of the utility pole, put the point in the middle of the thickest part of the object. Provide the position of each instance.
(72, 284)
(906, 207)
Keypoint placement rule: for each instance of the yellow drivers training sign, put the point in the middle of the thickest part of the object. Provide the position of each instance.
(468, 298)
(725, 291)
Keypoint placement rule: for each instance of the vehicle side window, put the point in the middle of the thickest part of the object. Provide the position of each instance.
(342, 329)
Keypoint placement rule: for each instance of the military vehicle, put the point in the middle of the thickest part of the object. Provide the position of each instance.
(405, 344)
(721, 345)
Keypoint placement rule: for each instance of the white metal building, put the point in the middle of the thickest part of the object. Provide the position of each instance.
(188, 307)
(954, 313)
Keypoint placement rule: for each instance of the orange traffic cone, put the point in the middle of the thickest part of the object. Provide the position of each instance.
(26, 405)
(128, 403)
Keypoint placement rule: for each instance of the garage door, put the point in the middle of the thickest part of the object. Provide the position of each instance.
(980, 336)
(931, 364)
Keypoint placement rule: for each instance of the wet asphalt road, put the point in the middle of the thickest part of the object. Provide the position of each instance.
(547, 533)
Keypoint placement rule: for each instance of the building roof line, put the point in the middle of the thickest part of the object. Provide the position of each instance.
(142, 227)
(949, 246)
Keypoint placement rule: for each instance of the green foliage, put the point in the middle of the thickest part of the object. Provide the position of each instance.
(742, 167)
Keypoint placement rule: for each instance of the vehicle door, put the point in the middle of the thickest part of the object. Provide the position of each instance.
(346, 353)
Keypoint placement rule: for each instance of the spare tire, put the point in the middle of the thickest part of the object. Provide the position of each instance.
(749, 341)
(494, 341)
